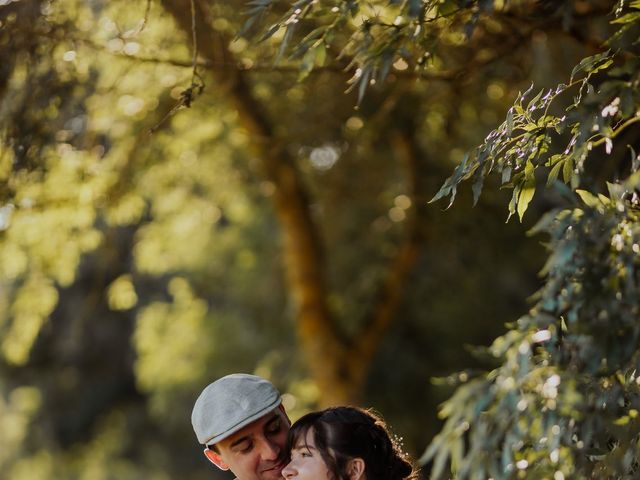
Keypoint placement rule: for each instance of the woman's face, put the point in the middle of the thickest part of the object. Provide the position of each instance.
(306, 462)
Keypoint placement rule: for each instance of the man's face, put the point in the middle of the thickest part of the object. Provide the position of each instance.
(256, 451)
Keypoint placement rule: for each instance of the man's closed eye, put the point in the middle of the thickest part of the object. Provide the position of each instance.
(274, 427)
(243, 447)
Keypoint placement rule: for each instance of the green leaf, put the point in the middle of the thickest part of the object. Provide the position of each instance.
(506, 456)
(439, 463)
(633, 182)
(545, 222)
(306, 66)
(624, 420)
(589, 199)
(256, 11)
(628, 18)
(461, 172)
(533, 102)
(506, 174)
(519, 109)
(430, 451)
(553, 174)
(616, 191)
(314, 56)
(387, 62)
(514, 201)
(510, 122)
(635, 160)
(443, 192)
(528, 190)
(364, 82)
(447, 7)
(477, 187)
(593, 64)
(567, 170)
(288, 34)
(270, 32)
(525, 197)
(321, 54)
(314, 34)
(249, 23)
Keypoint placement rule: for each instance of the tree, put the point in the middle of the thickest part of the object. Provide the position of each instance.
(138, 229)
(562, 401)
(341, 377)
(341, 374)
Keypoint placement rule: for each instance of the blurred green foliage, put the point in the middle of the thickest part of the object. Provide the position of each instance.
(142, 253)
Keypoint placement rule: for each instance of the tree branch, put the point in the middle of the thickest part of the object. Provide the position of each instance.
(390, 295)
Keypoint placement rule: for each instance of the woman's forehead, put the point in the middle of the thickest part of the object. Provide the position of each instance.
(306, 438)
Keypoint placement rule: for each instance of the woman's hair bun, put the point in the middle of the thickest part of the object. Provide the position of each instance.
(400, 468)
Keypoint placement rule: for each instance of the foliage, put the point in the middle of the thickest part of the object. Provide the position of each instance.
(523, 142)
(565, 396)
(373, 36)
(564, 401)
(142, 254)
(144, 251)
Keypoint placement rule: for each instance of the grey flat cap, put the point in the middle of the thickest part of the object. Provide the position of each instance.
(230, 403)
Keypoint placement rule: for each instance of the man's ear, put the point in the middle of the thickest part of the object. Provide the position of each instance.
(355, 469)
(216, 459)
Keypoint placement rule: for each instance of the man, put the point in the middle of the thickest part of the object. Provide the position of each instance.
(242, 424)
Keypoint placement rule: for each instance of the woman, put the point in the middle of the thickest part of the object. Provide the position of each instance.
(344, 443)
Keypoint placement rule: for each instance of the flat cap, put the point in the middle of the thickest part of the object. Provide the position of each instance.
(229, 404)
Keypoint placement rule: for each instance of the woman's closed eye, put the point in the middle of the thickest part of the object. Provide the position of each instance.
(301, 452)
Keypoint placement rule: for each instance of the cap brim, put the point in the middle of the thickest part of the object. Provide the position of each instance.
(230, 431)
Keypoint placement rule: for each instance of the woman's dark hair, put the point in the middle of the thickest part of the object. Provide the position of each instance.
(343, 433)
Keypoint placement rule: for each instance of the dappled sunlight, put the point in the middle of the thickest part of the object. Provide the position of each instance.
(178, 327)
(16, 414)
(190, 193)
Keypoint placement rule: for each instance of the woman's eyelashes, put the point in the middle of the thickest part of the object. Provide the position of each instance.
(301, 453)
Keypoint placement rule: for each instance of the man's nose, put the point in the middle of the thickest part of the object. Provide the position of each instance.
(269, 450)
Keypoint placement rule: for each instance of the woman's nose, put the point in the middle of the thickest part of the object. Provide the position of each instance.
(289, 471)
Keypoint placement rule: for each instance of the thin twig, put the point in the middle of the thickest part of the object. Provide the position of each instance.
(197, 84)
(141, 25)
(169, 114)
(194, 41)
(146, 15)
(616, 132)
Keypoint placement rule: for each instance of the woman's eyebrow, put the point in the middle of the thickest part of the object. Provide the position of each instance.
(304, 447)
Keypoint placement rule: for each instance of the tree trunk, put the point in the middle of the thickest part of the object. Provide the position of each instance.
(337, 366)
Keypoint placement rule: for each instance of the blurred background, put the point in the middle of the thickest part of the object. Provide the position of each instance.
(274, 227)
